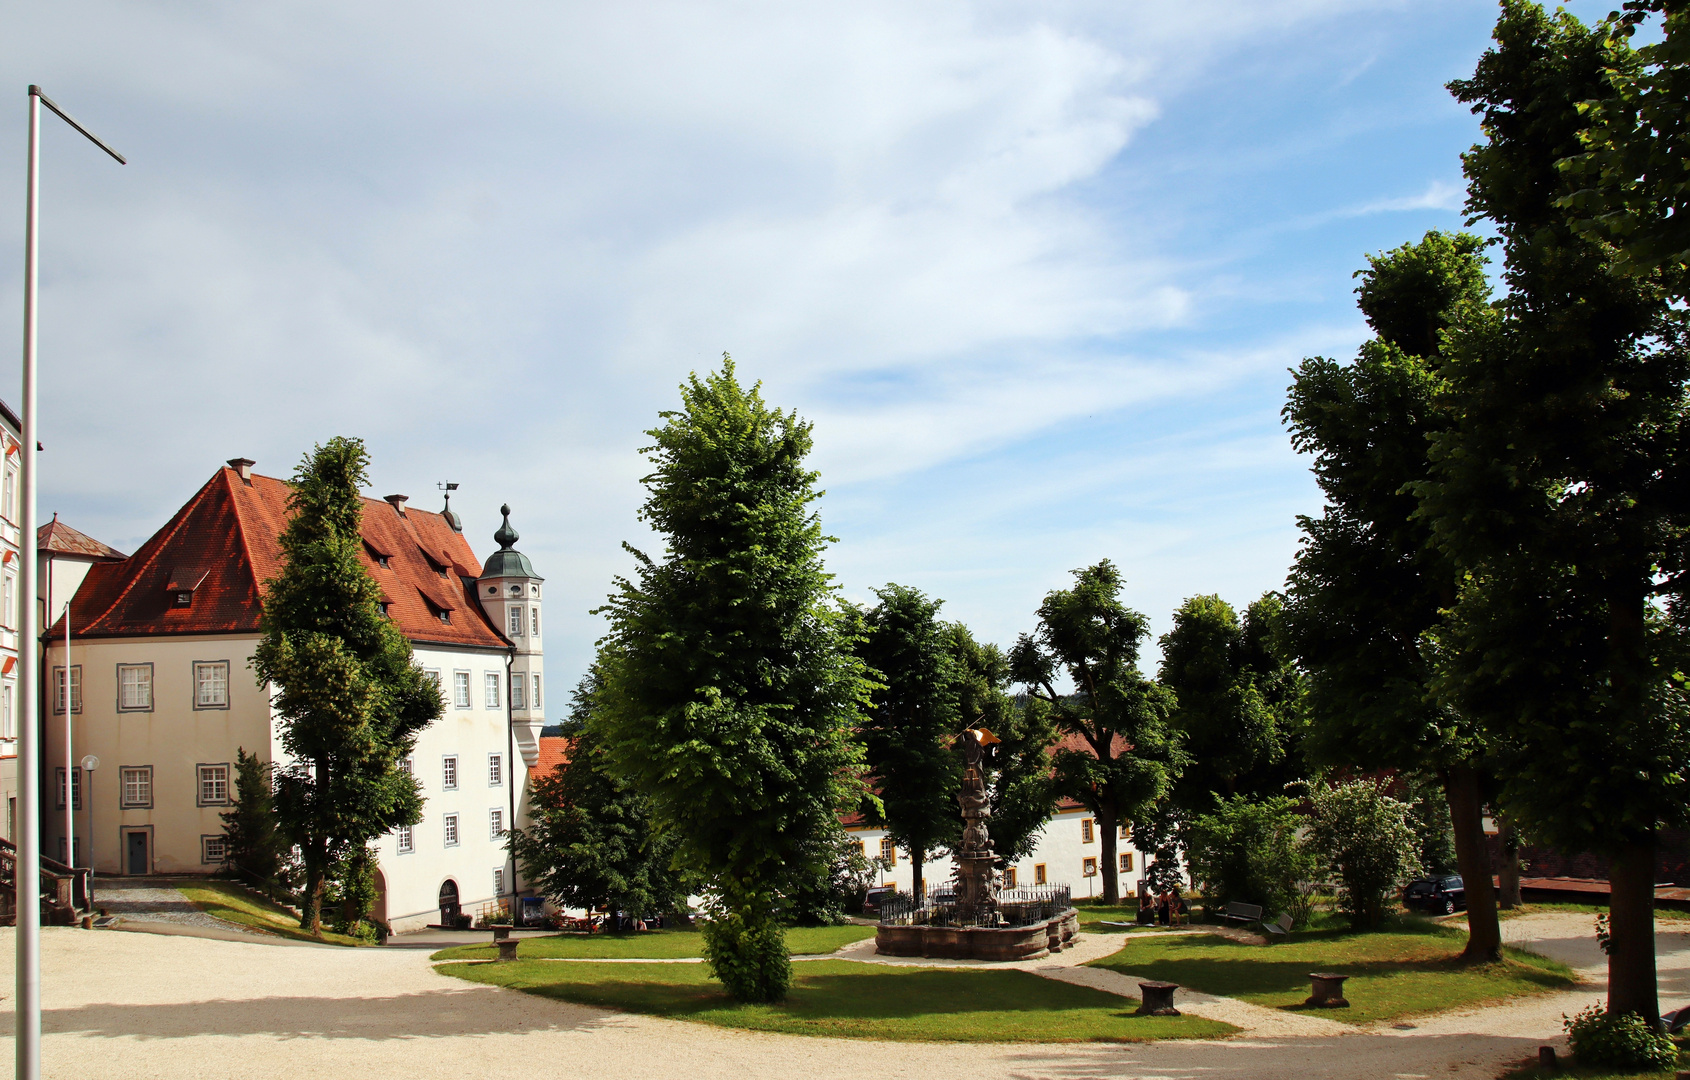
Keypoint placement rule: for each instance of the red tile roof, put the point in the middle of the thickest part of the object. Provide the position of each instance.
(61, 539)
(554, 751)
(225, 542)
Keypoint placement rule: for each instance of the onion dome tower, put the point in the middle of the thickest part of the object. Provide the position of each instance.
(509, 591)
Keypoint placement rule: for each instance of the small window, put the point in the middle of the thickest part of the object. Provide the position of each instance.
(534, 627)
(384, 605)
(536, 691)
(451, 831)
(405, 840)
(214, 849)
(134, 687)
(492, 693)
(516, 590)
(888, 851)
(460, 689)
(137, 787)
(514, 622)
(861, 850)
(75, 689)
(75, 787)
(444, 616)
(183, 598)
(1126, 832)
(1038, 873)
(496, 823)
(1088, 867)
(8, 720)
(449, 772)
(9, 590)
(381, 561)
(495, 770)
(517, 682)
(211, 684)
(1126, 862)
(1009, 877)
(9, 501)
(499, 881)
(213, 785)
(1087, 832)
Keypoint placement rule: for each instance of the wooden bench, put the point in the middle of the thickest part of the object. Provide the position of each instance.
(1281, 925)
(1238, 911)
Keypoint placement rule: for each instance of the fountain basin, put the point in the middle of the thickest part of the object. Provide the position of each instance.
(999, 943)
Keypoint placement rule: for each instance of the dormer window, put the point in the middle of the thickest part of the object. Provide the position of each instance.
(378, 556)
(384, 606)
(435, 564)
(184, 581)
(381, 561)
(184, 598)
(446, 617)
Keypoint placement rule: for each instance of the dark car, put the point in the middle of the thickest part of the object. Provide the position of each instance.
(1438, 895)
(877, 894)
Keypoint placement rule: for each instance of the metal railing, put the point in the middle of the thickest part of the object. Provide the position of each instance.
(1012, 907)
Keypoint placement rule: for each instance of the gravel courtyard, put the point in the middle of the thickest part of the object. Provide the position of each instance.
(121, 1005)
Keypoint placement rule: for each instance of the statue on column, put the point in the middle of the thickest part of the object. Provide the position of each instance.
(975, 894)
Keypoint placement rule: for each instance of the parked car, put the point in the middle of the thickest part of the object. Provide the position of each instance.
(877, 893)
(1438, 895)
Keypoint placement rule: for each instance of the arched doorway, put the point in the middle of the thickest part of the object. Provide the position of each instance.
(379, 912)
(448, 902)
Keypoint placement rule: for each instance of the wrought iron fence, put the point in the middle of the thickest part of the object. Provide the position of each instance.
(1012, 907)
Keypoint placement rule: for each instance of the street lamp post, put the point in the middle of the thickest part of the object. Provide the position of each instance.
(27, 877)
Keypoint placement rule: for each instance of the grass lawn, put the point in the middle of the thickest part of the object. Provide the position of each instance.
(846, 999)
(654, 944)
(1408, 969)
(234, 903)
(1092, 917)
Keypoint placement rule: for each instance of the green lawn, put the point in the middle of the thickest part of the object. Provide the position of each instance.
(1409, 969)
(654, 944)
(237, 904)
(846, 999)
(1092, 917)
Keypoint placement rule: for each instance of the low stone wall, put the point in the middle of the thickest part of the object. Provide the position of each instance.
(980, 942)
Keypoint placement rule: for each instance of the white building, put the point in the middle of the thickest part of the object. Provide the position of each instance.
(162, 692)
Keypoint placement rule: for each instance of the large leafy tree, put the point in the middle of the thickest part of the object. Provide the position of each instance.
(1560, 492)
(1369, 583)
(1132, 754)
(1239, 705)
(732, 693)
(907, 731)
(349, 701)
(592, 843)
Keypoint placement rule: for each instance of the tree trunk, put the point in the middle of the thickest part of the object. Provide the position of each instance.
(917, 859)
(311, 904)
(1509, 873)
(1106, 821)
(1631, 926)
(1466, 810)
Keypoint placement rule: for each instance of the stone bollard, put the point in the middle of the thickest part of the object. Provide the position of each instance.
(507, 948)
(500, 933)
(1546, 1057)
(1157, 999)
(1328, 991)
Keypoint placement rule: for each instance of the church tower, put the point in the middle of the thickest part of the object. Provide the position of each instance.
(510, 594)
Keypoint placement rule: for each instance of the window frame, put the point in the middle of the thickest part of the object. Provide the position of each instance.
(146, 666)
(75, 786)
(123, 774)
(514, 620)
(1125, 860)
(1009, 877)
(492, 693)
(461, 701)
(534, 695)
(206, 842)
(227, 681)
(498, 881)
(496, 770)
(199, 783)
(1040, 876)
(405, 840)
(889, 851)
(496, 823)
(534, 623)
(75, 689)
(1088, 830)
(448, 772)
(1088, 866)
(450, 831)
(518, 690)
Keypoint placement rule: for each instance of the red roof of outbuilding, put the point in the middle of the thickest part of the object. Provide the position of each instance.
(554, 751)
(225, 542)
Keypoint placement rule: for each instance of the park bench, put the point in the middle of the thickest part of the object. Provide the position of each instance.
(1281, 925)
(1238, 911)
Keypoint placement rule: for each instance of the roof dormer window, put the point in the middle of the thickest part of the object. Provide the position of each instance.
(184, 580)
(377, 555)
(184, 598)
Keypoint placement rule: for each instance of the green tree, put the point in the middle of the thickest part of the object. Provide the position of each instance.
(732, 692)
(1133, 754)
(1018, 767)
(912, 716)
(1247, 849)
(591, 842)
(1557, 492)
(1239, 705)
(348, 700)
(257, 854)
(1363, 836)
(1366, 594)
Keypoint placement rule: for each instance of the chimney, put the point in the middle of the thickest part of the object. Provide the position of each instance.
(398, 502)
(243, 466)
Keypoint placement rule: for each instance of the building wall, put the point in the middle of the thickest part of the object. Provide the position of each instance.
(1061, 849)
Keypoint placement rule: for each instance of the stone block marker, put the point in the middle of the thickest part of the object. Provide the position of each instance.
(1328, 991)
(507, 948)
(1158, 999)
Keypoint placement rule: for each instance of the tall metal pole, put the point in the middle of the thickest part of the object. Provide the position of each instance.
(28, 872)
(70, 757)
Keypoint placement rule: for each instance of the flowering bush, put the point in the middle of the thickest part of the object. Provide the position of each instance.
(1623, 1041)
(1362, 836)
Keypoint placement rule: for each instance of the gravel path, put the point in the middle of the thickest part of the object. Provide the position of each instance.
(140, 1005)
(146, 902)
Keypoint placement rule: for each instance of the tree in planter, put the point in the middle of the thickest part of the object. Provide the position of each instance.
(1247, 849)
(731, 690)
(1557, 493)
(348, 700)
(911, 716)
(1364, 837)
(1369, 586)
(257, 854)
(1133, 754)
(591, 842)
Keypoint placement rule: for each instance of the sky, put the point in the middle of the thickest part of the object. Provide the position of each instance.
(1036, 272)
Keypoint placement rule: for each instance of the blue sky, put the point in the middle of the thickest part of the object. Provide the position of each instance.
(1036, 272)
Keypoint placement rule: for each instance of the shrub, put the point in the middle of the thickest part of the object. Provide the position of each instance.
(1363, 836)
(750, 960)
(1247, 850)
(1623, 1041)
